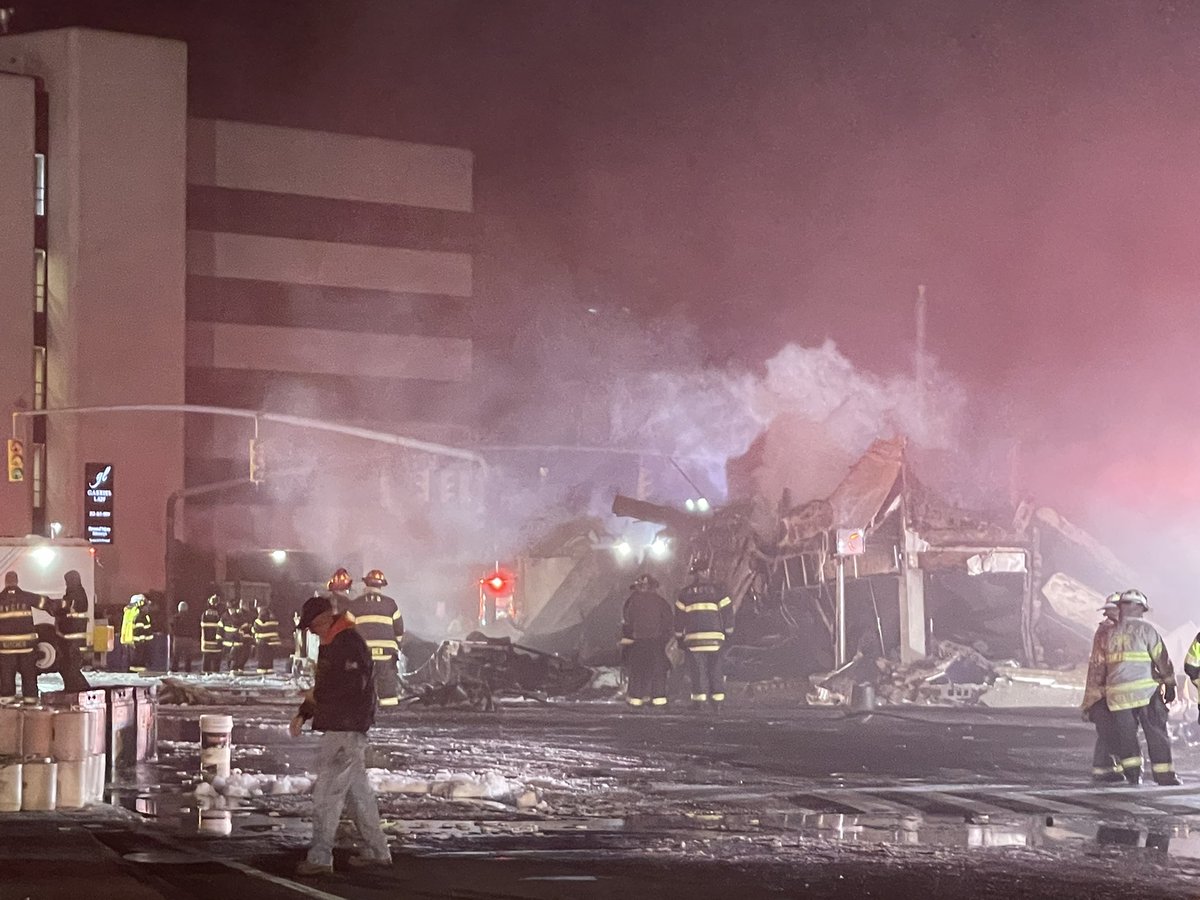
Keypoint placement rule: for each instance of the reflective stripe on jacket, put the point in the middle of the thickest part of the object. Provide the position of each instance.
(1136, 663)
(17, 631)
(1093, 691)
(380, 623)
(212, 631)
(72, 620)
(703, 617)
(1191, 664)
(266, 631)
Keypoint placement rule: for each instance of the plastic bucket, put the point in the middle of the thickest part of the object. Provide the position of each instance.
(37, 733)
(215, 749)
(72, 735)
(95, 770)
(72, 784)
(39, 785)
(10, 731)
(10, 786)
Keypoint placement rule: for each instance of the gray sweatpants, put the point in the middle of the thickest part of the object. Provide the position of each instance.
(342, 780)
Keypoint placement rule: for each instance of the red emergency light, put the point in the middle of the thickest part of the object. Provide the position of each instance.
(498, 584)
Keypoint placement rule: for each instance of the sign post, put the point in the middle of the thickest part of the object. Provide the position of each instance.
(98, 509)
(850, 542)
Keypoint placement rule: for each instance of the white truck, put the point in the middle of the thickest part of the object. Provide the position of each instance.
(40, 564)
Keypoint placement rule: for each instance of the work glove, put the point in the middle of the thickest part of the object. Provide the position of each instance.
(1169, 692)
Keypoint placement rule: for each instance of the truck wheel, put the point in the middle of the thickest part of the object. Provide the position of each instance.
(49, 650)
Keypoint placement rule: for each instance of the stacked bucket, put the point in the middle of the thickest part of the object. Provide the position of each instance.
(51, 758)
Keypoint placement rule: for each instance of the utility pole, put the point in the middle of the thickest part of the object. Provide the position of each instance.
(921, 361)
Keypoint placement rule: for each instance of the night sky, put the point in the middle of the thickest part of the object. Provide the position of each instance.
(790, 171)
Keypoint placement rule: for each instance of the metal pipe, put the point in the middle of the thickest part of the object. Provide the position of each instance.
(840, 656)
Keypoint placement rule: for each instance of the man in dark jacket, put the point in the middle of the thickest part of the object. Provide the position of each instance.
(703, 623)
(72, 621)
(342, 706)
(645, 633)
(18, 640)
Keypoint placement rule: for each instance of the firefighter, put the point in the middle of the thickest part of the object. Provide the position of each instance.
(212, 636)
(143, 628)
(266, 638)
(1139, 683)
(239, 635)
(703, 623)
(128, 616)
(1191, 666)
(646, 627)
(18, 641)
(1105, 765)
(339, 585)
(382, 626)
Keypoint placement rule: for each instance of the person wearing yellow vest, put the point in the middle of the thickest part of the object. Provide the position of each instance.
(1191, 666)
(1139, 682)
(1105, 767)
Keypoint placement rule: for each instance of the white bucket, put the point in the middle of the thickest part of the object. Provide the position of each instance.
(215, 750)
(37, 737)
(10, 787)
(95, 768)
(216, 821)
(39, 785)
(10, 731)
(72, 784)
(72, 735)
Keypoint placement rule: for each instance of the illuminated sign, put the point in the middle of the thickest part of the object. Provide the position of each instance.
(98, 495)
(851, 542)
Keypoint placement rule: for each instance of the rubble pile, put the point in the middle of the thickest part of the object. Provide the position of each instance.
(953, 674)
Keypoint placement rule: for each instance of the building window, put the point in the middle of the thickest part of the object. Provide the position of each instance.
(39, 184)
(39, 377)
(39, 281)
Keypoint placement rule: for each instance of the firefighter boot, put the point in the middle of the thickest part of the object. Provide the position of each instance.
(1167, 779)
(1109, 778)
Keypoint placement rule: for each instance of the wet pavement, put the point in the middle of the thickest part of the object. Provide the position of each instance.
(807, 802)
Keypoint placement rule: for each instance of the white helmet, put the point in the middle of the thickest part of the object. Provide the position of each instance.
(1133, 595)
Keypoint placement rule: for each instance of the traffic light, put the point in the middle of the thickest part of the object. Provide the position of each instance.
(16, 460)
(258, 461)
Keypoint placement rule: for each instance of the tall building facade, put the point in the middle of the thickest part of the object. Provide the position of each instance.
(151, 259)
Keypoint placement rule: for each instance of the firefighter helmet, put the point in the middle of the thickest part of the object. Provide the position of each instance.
(1110, 602)
(375, 578)
(1133, 595)
(340, 580)
(646, 582)
(214, 600)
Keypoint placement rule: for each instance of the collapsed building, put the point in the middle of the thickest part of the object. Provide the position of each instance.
(928, 586)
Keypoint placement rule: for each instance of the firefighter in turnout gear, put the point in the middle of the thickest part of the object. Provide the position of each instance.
(1105, 764)
(266, 639)
(238, 627)
(142, 632)
(18, 641)
(379, 621)
(339, 585)
(212, 635)
(1191, 666)
(72, 619)
(703, 623)
(1139, 683)
(646, 627)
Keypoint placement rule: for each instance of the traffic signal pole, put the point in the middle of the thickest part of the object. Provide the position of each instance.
(366, 434)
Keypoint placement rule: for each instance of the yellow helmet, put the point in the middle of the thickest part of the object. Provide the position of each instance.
(340, 581)
(375, 578)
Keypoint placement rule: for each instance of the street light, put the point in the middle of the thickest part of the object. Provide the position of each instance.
(279, 557)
